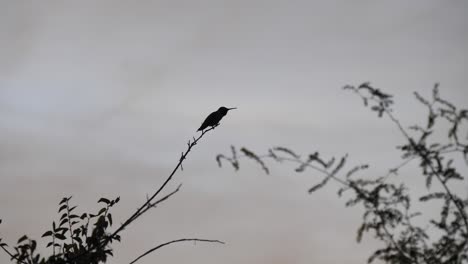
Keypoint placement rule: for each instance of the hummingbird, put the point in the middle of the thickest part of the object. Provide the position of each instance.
(214, 118)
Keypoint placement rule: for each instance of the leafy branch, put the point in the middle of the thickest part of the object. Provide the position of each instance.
(388, 208)
(85, 239)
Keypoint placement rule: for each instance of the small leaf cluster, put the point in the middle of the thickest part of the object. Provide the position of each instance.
(76, 238)
(25, 250)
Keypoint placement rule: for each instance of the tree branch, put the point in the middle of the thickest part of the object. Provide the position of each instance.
(175, 241)
(151, 205)
(149, 202)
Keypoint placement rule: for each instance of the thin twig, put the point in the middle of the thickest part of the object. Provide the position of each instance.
(167, 196)
(151, 205)
(175, 241)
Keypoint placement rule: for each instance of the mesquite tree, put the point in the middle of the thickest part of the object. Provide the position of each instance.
(389, 205)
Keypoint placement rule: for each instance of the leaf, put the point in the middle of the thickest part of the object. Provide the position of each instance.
(254, 156)
(273, 155)
(49, 244)
(60, 236)
(375, 108)
(465, 155)
(315, 157)
(83, 216)
(364, 85)
(62, 229)
(341, 191)
(73, 216)
(71, 209)
(435, 91)
(62, 207)
(375, 255)
(104, 200)
(23, 238)
(102, 211)
(356, 169)
(287, 151)
(431, 120)
(421, 99)
(64, 216)
(218, 160)
(414, 214)
(77, 238)
(63, 222)
(360, 232)
(64, 200)
(48, 233)
(33, 245)
(109, 217)
(340, 165)
(320, 185)
(429, 180)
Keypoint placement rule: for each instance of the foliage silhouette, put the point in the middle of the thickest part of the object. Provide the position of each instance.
(85, 238)
(388, 204)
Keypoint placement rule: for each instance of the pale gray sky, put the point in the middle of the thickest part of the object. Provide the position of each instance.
(98, 98)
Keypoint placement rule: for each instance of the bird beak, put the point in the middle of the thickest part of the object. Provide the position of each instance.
(232, 108)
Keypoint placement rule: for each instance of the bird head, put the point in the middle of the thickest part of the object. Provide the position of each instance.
(223, 110)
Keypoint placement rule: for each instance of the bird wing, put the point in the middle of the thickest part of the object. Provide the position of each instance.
(209, 119)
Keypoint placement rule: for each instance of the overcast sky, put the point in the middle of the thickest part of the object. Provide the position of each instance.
(98, 98)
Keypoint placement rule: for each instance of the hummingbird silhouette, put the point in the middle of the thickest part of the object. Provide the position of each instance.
(214, 118)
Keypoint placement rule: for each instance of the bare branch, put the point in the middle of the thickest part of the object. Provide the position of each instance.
(153, 205)
(175, 241)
